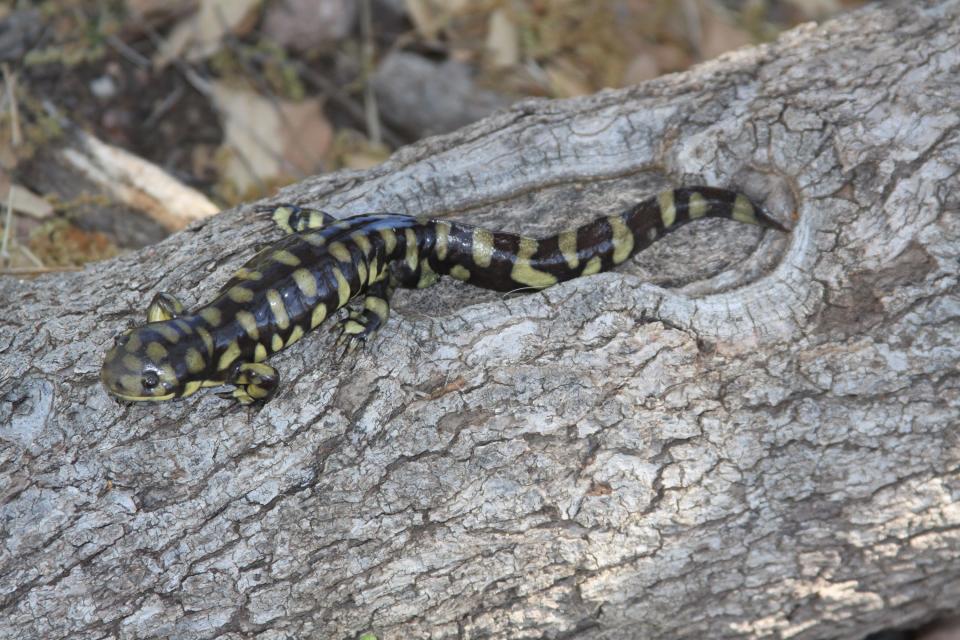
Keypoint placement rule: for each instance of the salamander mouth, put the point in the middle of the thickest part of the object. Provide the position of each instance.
(123, 396)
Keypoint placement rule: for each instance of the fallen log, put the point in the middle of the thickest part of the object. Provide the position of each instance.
(737, 435)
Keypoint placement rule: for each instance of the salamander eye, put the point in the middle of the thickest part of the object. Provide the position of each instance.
(150, 380)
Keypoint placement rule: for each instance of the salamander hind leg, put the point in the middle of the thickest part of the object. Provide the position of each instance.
(359, 326)
(164, 307)
(255, 382)
(292, 218)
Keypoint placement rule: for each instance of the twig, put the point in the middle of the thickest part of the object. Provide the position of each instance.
(366, 64)
(691, 14)
(24, 271)
(10, 81)
(31, 256)
(168, 102)
(7, 225)
(128, 52)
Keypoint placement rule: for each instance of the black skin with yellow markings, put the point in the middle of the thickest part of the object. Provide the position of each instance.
(301, 280)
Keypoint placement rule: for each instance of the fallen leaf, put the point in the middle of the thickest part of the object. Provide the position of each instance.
(423, 15)
(430, 17)
(643, 67)
(25, 201)
(303, 25)
(566, 80)
(152, 8)
(200, 35)
(816, 9)
(671, 58)
(502, 40)
(719, 36)
(265, 140)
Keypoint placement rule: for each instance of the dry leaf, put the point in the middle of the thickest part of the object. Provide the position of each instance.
(200, 35)
(25, 201)
(671, 58)
(303, 25)
(151, 8)
(502, 40)
(424, 17)
(719, 36)
(643, 67)
(566, 80)
(816, 9)
(265, 140)
(429, 17)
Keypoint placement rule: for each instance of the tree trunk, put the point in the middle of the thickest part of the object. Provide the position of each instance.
(738, 435)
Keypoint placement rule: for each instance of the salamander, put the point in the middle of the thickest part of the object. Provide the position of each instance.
(322, 263)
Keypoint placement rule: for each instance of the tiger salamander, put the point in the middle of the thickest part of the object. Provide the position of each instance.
(322, 263)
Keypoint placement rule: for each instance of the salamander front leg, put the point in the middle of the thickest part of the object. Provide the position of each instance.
(292, 218)
(255, 382)
(360, 326)
(164, 307)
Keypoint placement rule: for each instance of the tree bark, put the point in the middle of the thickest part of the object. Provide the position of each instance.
(738, 435)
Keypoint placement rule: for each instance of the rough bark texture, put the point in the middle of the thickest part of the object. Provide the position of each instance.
(737, 436)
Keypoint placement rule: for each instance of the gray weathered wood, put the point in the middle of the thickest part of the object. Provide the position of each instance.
(741, 435)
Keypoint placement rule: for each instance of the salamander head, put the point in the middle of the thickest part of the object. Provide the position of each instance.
(144, 363)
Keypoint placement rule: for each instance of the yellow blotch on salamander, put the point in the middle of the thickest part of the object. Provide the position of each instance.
(192, 387)
(249, 324)
(389, 239)
(567, 243)
(698, 206)
(524, 273)
(743, 210)
(247, 274)
(281, 216)
(460, 273)
(343, 287)
(211, 315)
(133, 343)
(441, 243)
(340, 252)
(622, 239)
(378, 305)
(231, 353)
(156, 351)
(668, 208)
(285, 257)
(361, 271)
(361, 241)
(295, 335)
(278, 309)
(319, 315)
(240, 294)
(207, 340)
(482, 247)
(169, 333)
(593, 266)
(194, 360)
(428, 276)
(412, 257)
(305, 282)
